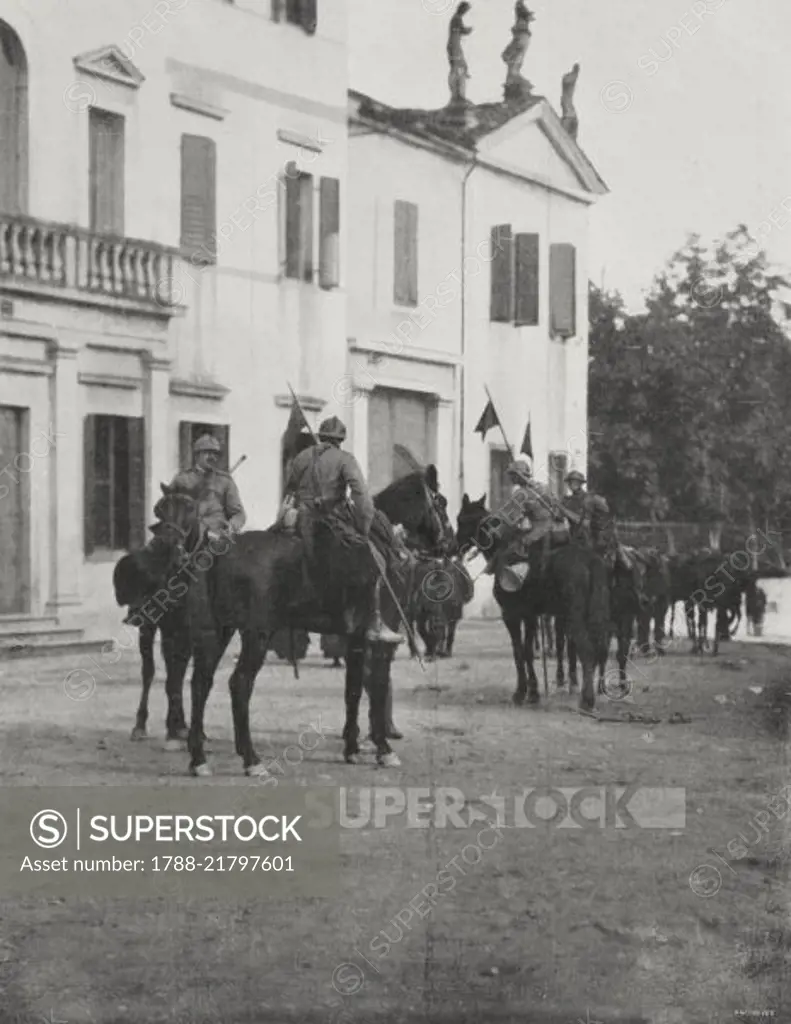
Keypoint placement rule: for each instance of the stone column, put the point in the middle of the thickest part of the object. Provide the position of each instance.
(156, 411)
(66, 476)
(356, 414)
(447, 457)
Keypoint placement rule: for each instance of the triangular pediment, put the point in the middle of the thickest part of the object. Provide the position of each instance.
(537, 145)
(109, 62)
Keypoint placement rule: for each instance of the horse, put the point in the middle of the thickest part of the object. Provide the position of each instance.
(571, 585)
(140, 579)
(442, 588)
(254, 586)
(657, 591)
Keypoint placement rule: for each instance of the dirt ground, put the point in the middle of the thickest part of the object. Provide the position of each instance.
(553, 926)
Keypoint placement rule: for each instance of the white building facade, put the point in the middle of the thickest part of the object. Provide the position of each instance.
(171, 258)
(468, 270)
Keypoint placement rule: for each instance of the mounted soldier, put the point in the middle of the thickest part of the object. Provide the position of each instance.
(220, 507)
(592, 521)
(320, 478)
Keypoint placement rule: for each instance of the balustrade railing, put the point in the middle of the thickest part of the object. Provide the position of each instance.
(62, 256)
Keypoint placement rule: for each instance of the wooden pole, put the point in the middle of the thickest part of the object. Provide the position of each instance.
(500, 423)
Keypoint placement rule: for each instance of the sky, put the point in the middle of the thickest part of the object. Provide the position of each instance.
(684, 108)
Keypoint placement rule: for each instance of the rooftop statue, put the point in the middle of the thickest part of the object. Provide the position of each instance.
(459, 71)
(569, 114)
(516, 86)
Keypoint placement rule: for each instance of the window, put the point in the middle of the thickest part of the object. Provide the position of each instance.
(198, 198)
(562, 290)
(329, 232)
(189, 433)
(115, 484)
(499, 484)
(299, 224)
(514, 290)
(13, 122)
(558, 467)
(106, 132)
(405, 254)
(298, 12)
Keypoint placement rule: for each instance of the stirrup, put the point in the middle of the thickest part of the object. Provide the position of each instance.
(380, 633)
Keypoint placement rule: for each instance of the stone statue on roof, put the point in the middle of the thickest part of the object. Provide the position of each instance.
(517, 87)
(569, 114)
(459, 71)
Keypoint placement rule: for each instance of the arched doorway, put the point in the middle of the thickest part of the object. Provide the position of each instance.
(13, 122)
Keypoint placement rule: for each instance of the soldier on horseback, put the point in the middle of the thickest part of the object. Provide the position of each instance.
(592, 521)
(220, 508)
(319, 481)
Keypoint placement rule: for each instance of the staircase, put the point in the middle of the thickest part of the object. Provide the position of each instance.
(25, 636)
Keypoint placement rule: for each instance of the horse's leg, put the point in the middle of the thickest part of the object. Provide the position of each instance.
(355, 669)
(514, 627)
(451, 637)
(176, 651)
(660, 611)
(241, 684)
(531, 636)
(378, 665)
(208, 646)
(689, 613)
(574, 681)
(145, 643)
(560, 642)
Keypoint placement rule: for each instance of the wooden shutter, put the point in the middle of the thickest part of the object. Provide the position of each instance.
(309, 15)
(106, 172)
(405, 289)
(198, 198)
(329, 232)
(89, 486)
(502, 264)
(499, 490)
(137, 482)
(292, 193)
(306, 225)
(526, 311)
(185, 444)
(558, 464)
(562, 289)
(223, 435)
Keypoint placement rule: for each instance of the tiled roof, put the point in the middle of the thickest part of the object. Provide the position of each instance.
(483, 119)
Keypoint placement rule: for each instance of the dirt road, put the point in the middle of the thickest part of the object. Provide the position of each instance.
(543, 924)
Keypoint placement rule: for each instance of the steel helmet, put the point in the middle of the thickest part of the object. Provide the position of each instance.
(575, 475)
(207, 443)
(520, 468)
(332, 429)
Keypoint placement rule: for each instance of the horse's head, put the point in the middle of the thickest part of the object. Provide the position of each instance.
(177, 512)
(470, 524)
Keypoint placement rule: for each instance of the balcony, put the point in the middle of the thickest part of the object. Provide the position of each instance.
(67, 263)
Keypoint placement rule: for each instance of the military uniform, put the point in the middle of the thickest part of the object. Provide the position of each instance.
(219, 503)
(596, 525)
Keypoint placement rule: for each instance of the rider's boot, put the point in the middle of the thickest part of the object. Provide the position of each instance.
(377, 631)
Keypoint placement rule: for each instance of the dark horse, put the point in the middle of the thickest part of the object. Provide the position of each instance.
(571, 585)
(253, 584)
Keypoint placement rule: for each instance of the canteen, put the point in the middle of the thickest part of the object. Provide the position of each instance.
(513, 576)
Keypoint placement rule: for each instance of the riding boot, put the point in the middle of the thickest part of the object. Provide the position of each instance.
(378, 632)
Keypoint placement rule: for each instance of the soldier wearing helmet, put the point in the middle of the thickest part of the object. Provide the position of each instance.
(320, 478)
(219, 506)
(592, 518)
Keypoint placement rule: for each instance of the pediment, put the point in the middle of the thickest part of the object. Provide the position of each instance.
(109, 62)
(536, 144)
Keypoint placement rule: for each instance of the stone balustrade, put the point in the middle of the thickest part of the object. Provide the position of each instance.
(34, 252)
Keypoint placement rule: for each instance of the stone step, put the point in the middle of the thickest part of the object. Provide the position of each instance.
(26, 637)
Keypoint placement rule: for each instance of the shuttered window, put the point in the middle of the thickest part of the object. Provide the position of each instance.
(558, 467)
(562, 290)
(329, 232)
(526, 303)
(502, 264)
(106, 169)
(198, 198)
(405, 288)
(499, 484)
(299, 225)
(114, 477)
(189, 432)
(303, 13)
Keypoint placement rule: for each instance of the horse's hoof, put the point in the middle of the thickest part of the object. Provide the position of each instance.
(139, 733)
(351, 758)
(201, 771)
(173, 746)
(367, 747)
(394, 734)
(256, 771)
(390, 760)
(587, 705)
(183, 733)
(533, 698)
(518, 698)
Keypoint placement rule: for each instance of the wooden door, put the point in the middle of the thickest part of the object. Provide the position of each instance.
(14, 490)
(106, 172)
(398, 417)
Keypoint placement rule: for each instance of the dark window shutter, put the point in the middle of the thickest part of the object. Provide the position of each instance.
(198, 198)
(292, 193)
(106, 134)
(558, 465)
(309, 15)
(223, 435)
(329, 232)
(502, 264)
(562, 290)
(526, 313)
(306, 225)
(88, 474)
(405, 290)
(186, 441)
(136, 448)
